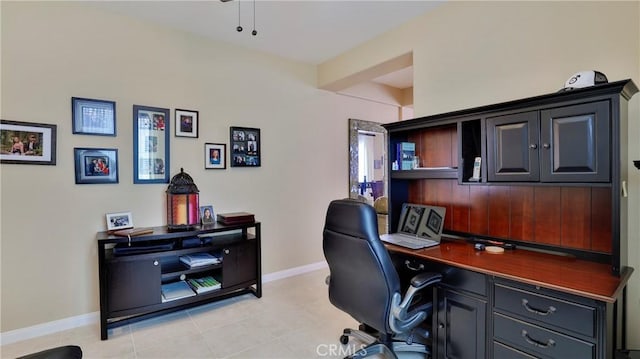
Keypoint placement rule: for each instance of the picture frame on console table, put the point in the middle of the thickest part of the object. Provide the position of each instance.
(93, 117)
(207, 218)
(96, 165)
(27, 143)
(150, 144)
(245, 147)
(120, 220)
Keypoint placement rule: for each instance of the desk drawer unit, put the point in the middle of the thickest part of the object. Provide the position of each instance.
(563, 314)
(534, 321)
(539, 341)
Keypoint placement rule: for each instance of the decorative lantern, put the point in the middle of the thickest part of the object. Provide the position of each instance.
(182, 203)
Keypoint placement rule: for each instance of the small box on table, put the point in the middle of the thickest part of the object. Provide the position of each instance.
(236, 218)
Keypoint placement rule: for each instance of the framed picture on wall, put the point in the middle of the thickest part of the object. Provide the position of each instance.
(245, 147)
(93, 117)
(150, 144)
(186, 123)
(27, 143)
(96, 165)
(215, 156)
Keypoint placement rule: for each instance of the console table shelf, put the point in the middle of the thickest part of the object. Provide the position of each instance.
(133, 271)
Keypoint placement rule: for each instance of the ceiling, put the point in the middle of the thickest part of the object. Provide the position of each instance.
(310, 31)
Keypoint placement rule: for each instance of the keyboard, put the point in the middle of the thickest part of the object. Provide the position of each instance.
(407, 241)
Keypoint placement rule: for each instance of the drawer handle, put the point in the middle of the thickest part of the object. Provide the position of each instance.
(537, 343)
(525, 304)
(418, 268)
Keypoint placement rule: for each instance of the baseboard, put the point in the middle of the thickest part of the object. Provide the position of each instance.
(39, 330)
(291, 272)
(49, 328)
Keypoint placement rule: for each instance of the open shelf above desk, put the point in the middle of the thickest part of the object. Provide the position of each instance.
(426, 173)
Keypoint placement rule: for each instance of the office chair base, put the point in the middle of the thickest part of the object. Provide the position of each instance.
(375, 346)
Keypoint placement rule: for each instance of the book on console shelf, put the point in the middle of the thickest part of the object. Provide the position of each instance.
(131, 232)
(176, 290)
(199, 259)
(236, 218)
(204, 284)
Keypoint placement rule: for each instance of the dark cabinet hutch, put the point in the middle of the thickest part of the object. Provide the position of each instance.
(552, 182)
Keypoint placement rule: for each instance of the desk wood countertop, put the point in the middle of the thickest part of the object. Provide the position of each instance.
(563, 273)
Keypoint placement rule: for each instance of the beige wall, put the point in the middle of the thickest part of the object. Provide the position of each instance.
(465, 54)
(52, 51)
(468, 54)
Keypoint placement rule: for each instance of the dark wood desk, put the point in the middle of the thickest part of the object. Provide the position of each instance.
(522, 303)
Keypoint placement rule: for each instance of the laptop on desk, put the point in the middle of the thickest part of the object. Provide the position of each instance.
(420, 226)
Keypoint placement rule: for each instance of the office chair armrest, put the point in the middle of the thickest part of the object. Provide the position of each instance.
(400, 321)
(425, 279)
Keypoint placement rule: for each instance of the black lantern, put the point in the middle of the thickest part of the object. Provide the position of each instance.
(182, 203)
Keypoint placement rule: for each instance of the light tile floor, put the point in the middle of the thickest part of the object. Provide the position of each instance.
(293, 319)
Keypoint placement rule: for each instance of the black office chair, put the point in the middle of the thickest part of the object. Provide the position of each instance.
(364, 283)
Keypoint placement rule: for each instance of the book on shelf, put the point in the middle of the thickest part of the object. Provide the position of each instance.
(199, 259)
(176, 290)
(405, 155)
(131, 232)
(204, 284)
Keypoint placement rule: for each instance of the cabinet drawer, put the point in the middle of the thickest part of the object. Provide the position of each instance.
(575, 317)
(539, 341)
(452, 277)
(506, 352)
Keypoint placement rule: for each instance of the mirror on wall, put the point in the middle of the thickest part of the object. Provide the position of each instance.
(368, 166)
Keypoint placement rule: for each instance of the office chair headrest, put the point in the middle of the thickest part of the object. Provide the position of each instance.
(352, 218)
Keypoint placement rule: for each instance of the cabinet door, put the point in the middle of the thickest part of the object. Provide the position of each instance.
(239, 263)
(575, 143)
(461, 326)
(133, 283)
(512, 147)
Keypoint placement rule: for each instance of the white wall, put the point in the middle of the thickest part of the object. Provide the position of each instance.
(52, 51)
(468, 54)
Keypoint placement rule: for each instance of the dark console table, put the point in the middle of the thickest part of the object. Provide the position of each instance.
(133, 270)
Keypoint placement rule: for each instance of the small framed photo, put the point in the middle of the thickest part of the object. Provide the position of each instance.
(116, 221)
(93, 117)
(206, 215)
(245, 147)
(215, 155)
(150, 144)
(96, 165)
(186, 123)
(27, 143)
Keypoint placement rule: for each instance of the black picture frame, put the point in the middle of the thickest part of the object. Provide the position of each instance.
(187, 123)
(215, 156)
(96, 165)
(35, 145)
(151, 128)
(93, 117)
(245, 147)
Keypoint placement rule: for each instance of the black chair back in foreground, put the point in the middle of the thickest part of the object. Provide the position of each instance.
(364, 283)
